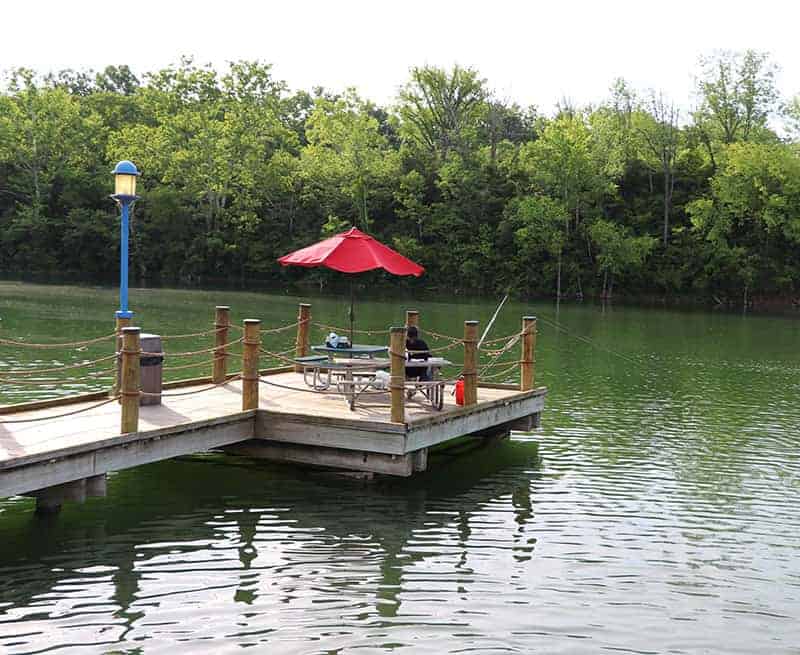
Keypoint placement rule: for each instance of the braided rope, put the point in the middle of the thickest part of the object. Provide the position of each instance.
(31, 383)
(76, 344)
(77, 411)
(283, 328)
(437, 335)
(35, 371)
(370, 333)
(499, 374)
(193, 334)
(192, 365)
(193, 391)
(194, 352)
(326, 392)
(279, 356)
(517, 335)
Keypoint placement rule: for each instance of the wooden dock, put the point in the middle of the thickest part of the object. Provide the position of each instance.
(63, 449)
(289, 425)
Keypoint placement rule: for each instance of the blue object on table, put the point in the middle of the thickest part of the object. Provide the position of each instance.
(356, 350)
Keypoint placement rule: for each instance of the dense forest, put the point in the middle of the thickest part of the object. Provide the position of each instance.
(636, 195)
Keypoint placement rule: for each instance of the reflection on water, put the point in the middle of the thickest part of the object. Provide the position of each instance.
(655, 511)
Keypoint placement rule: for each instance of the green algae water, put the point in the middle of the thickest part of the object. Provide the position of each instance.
(655, 510)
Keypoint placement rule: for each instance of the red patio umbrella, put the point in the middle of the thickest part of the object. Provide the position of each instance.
(352, 252)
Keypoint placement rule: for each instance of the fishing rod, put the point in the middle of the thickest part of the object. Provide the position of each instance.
(491, 322)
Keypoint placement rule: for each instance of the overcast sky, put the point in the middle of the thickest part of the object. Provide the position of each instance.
(530, 52)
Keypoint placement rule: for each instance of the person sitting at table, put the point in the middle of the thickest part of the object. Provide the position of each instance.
(417, 349)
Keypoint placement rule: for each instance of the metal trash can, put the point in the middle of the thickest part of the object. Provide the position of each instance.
(151, 367)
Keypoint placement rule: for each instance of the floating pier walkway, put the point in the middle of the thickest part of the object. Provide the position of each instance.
(61, 450)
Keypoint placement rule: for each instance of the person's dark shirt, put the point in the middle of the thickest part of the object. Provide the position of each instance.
(413, 346)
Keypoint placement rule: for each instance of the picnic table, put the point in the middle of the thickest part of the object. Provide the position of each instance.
(352, 372)
(351, 376)
(355, 350)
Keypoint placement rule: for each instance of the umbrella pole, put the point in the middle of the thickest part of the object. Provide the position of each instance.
(352, 312)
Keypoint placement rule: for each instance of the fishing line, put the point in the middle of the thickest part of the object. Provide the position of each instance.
(586, 340)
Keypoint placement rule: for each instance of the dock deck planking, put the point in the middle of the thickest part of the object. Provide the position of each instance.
(291, 415)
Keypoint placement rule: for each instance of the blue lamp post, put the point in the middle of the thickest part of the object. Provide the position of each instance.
(125, 174)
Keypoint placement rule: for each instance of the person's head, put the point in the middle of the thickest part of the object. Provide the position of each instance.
(412, 332)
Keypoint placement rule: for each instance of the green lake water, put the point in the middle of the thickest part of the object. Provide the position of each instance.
(655, 510)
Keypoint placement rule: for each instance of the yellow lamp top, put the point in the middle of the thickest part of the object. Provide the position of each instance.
(125, 174)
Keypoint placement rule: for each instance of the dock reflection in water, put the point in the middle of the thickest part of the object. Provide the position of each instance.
(655, 511)
(194, 547)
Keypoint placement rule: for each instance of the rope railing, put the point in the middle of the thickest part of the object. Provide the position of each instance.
(324, 392)
(206, 333)
(183, 367)
(516, 335)
(499, 374)
(279, 356)
(282, 328)
(193, 352)
(71, 344)
(177, 394)
(36, 371)
(447, 337)
(72, 413)
(343, 330)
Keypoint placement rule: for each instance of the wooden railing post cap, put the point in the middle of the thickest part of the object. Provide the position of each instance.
(252, 321)
(224, 308)
(470, 322)
(528, 318)
(131, 330)
(305, 304)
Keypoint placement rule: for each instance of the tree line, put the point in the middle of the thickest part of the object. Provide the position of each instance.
(632, 195)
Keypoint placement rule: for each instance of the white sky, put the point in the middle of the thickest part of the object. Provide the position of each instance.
(531, 52)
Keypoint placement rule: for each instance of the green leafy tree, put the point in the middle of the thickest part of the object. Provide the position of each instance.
(752, 215)
(617, 251)
(442, 111)
(347, 154)
(737, 95)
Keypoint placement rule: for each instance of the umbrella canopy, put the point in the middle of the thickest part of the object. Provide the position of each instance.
(352, 252)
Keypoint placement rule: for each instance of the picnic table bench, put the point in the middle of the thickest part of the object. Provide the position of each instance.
(432, 389)
(354, 375)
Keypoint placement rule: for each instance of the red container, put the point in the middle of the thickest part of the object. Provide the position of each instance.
(460, 392)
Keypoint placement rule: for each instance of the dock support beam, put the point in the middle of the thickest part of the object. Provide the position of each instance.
(528, 359)
(250, 348)
(470, 372)
(222, 321)
(129, 384)
(301, 341)
(412, 318)
(121, 322)
(397, 381)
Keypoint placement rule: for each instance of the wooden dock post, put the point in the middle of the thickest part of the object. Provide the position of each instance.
(397, 381)
(470, 372)
(250, 348)
(122, 322)
(412, 318)
(129, 380)
(528, 359)
(222, 321)
(301, 341)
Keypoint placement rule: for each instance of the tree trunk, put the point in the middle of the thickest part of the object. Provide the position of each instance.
(667, 202)
(558, 278)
